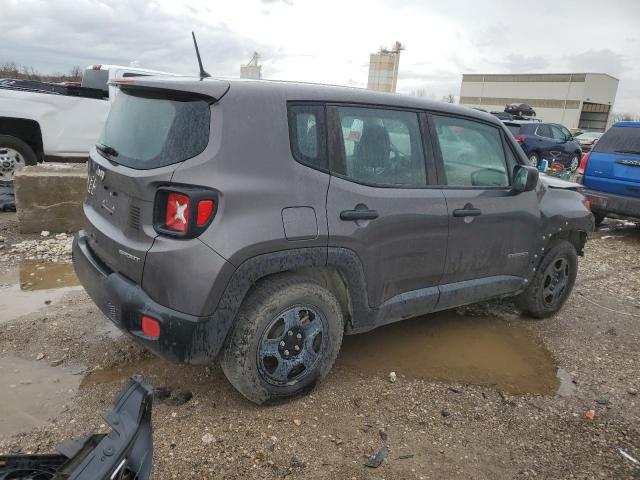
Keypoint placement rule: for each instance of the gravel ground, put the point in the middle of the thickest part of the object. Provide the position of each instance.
(432, 428)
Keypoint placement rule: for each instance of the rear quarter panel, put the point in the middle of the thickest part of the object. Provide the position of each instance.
(249, 162)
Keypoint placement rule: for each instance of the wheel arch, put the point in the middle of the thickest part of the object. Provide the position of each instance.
(338, 269)
(26, 130)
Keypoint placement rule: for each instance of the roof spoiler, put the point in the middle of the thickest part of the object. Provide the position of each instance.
(212, 89)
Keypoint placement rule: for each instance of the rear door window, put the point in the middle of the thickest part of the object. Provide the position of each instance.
(147, 130)
(544, 131)
(621, 140)
(381, 147)
(472, 153)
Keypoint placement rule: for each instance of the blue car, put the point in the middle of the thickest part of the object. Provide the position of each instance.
(611, 173)
(549, 141)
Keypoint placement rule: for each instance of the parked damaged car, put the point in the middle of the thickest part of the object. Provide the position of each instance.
(257, 222)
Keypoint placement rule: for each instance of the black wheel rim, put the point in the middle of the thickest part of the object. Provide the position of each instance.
(292, 344)
(554, 284)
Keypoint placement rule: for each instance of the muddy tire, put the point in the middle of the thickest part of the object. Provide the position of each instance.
(552, 282)
(14, 154)
(285, 339)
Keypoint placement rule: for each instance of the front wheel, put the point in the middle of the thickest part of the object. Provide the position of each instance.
(534, 160)
(286, 337)
(552, 283)
(574, 163)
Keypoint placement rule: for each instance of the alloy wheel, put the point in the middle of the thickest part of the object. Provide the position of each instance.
(292, 344)
(10, 162)
(555, 281)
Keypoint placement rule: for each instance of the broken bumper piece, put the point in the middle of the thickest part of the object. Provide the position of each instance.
(125, 453)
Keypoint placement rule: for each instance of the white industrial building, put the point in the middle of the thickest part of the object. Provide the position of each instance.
(575, 100)
(383, 69)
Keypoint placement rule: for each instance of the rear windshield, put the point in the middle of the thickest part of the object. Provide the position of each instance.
(95, 79)
(514, 129)
(149, 131)
(619, 140)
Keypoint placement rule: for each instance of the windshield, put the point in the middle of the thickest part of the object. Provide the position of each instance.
(625, 140)
(589, 135)
(146, 131)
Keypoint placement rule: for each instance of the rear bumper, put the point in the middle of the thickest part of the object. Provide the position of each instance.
(613, 205)
(183, 337)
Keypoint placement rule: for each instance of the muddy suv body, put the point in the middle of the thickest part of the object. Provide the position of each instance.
(256, 222)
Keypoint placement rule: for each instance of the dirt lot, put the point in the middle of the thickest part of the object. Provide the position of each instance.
(478, 393)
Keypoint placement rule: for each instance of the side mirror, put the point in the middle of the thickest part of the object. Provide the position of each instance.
(525, 178)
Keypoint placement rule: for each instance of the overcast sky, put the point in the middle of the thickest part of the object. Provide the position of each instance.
(329, 41)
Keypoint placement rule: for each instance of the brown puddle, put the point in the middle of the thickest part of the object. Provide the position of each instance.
(451, 348)
(32, 392)
(25, 288)
(119, 372)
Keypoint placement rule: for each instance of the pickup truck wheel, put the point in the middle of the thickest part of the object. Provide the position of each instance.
(286, 337)
(552, 282)
(14, 154)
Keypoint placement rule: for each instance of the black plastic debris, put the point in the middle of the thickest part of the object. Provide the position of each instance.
(376, 460)
(124, 453)
(7, 197)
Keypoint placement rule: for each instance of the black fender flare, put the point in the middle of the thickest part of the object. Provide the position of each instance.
(209, 336)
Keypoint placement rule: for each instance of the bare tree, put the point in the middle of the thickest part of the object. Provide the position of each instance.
(75, 74)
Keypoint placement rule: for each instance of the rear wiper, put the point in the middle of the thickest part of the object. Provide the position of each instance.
(633, 152)
(106, 149)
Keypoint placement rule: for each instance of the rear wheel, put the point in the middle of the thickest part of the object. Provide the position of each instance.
(552, 282)
(599, 218)
(286, 337)
(14, 155)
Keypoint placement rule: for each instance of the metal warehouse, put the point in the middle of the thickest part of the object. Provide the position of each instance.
(575, 100)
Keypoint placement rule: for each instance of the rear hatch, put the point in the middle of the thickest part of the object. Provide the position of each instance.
(614, 162)
(148, 133)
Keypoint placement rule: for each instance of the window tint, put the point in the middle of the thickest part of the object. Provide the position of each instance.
(565, 132)
(544, 131)
(150, 131)
(557, 133)
(514, 129)
(307, 134)
(472, 153)
(620, 140)
(381, 147)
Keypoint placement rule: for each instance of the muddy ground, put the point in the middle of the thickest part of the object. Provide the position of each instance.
(480, 393)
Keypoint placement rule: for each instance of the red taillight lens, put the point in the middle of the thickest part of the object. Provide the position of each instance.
(205, 210)
(520, 138)
(583, 163)
(150, 327)
(177, 216)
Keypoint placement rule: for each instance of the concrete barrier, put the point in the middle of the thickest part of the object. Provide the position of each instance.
(49, 197)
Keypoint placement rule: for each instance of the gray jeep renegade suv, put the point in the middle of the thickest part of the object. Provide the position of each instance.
(257, 222)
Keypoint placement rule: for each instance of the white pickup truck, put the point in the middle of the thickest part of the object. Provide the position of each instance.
(45, 121)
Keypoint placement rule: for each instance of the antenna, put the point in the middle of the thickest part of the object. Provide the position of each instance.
(203, 73)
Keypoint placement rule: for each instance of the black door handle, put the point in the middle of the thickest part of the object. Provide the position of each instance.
(467, 212)
(351, 215)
